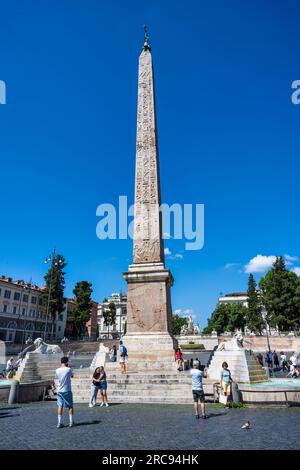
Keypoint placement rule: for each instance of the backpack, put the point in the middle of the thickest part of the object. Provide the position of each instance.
(124, 351)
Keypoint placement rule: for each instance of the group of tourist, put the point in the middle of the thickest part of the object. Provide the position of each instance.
(272, 360)
(11, 367)
(99, 381)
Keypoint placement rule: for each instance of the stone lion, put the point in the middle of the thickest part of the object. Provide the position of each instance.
(234, 344)
(44, 348)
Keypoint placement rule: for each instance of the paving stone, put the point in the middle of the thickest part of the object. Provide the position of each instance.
(151, 427)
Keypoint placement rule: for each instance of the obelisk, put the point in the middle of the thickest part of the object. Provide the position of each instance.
(148, 338)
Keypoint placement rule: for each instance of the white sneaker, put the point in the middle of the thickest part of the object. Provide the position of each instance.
(91, 405)
(106, 404)
(102, 404)
(59, 425)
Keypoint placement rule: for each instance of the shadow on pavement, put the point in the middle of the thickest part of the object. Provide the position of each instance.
(10, 408)
(214, 415)
(87, 423)
(8, 415)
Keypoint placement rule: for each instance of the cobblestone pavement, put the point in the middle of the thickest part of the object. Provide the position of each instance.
(148, 427)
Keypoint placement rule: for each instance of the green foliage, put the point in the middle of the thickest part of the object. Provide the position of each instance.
(55, 285)
(82, 308)
(254, 320)
(226, 317)
(109, 315)
(281, 297)
(196, 347)
(177, 323)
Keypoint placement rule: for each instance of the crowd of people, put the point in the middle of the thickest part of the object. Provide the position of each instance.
(281, 363)
(99, 380)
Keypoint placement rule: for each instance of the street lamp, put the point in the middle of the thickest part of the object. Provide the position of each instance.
(55, 261)
(27, 288)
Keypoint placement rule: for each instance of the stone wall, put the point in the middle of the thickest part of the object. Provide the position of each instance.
(209, 342)
(260, 343)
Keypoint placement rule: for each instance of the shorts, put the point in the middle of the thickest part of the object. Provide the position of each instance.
(65, 399)
(198, 395)
(122, 359)
(103, 385)
(226, 387)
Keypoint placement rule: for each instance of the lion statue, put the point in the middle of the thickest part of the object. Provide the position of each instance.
(44, 348)
(234, 344)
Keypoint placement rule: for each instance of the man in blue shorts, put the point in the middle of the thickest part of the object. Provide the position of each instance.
(64, 391)
(197, 389)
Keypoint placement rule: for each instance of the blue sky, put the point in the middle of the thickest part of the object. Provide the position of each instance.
(228, 135)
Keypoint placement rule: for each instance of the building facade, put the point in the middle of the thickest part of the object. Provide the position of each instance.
(22, 314)
(118, 329)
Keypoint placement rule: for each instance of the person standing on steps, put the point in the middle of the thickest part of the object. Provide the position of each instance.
(123, 355)
(197, 389)
(64, 391)
(103, 386)
(95, 387)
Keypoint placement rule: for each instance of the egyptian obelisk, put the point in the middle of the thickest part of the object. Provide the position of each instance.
(149, 316)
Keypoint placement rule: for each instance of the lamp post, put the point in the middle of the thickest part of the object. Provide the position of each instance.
(55, 261)
(27, 288)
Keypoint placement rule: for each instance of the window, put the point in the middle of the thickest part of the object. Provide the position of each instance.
(32, 312)
(5, 308)
(7, 294)
(33, 300)
(40, 301)
(59, 328)
(23, 311)
(60, 317)
(17, 296)
(25, 297)
(14, 309)
(40, 313)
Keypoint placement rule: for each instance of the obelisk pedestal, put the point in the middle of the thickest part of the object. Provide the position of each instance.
(149, 338)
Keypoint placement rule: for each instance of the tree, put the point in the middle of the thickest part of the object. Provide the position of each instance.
(109, 315)
(53, 294)
(254, 320)
(82, 306)
(281, 297)
(177, 323)
(226, 317)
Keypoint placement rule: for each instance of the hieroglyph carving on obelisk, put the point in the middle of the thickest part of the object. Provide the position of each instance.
(148, 245)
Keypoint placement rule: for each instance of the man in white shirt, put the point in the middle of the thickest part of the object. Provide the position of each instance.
(64, 391)
(197, 388)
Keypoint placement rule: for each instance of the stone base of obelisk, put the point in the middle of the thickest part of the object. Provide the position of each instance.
(149, 340)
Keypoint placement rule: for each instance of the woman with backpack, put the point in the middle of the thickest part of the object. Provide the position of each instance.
(123, 355)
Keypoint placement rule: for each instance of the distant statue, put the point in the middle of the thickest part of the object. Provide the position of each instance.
(43, 348)
(234, 344)
(189, 328)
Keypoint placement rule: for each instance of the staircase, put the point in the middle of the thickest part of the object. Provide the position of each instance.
(38, 367)
(243, 366)
(171, 387)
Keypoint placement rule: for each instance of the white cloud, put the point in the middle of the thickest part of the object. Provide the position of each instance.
(290, 260)
(296, 271)
(167, 251)
(231, 265)
(176, 256)
(260, 264)
(186, 313)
